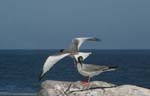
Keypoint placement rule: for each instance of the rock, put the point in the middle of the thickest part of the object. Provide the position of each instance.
(97, 88)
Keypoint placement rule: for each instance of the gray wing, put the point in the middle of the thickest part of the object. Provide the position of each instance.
(91, 67)
(77, 42)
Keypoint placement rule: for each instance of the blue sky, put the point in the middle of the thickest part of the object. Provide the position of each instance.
(51, 24)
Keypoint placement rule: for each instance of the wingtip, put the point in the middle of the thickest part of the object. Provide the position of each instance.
(41, 76)
(113, 67)
(97, 39)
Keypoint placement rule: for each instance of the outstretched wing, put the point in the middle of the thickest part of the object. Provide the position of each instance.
(51, 60)
(77, 42)
(83, 54)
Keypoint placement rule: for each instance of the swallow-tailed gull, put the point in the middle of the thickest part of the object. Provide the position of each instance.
(90, 70)
(72, 51)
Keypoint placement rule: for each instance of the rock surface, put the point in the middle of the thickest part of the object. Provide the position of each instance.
(97, 88)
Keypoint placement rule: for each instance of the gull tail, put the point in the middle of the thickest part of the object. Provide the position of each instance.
(111, 68)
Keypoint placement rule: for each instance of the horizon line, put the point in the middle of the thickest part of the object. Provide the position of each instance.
(80, 49)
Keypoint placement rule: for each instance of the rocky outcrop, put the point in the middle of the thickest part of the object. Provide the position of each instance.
(97, 88)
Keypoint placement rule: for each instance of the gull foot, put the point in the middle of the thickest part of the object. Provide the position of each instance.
(85, 83)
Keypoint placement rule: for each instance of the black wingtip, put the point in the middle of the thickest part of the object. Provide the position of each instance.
(113, 67)
(40, 76)
(97, 39)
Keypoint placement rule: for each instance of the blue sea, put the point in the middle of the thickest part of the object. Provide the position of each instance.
(20, 69)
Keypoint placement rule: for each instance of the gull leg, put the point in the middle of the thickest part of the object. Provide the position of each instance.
(85, 82)
(88, 82)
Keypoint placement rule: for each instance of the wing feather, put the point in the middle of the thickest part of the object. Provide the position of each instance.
(77, 42)
(83, 54)
(50, 61)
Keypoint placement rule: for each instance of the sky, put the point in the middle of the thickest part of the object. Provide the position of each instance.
(52, 24)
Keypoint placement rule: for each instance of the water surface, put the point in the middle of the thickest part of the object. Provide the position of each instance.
(19, 69)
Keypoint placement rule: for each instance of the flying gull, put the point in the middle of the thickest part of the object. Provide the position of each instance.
(72, 51)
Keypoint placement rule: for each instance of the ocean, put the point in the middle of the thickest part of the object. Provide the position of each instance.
(20, 69)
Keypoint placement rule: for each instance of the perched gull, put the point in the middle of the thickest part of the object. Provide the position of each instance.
(72, 51)
(90, 70)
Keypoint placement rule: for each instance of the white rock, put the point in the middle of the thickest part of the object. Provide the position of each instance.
(97, 88)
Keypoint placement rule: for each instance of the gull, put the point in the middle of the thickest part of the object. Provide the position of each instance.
(90, 70)
(72, 51)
